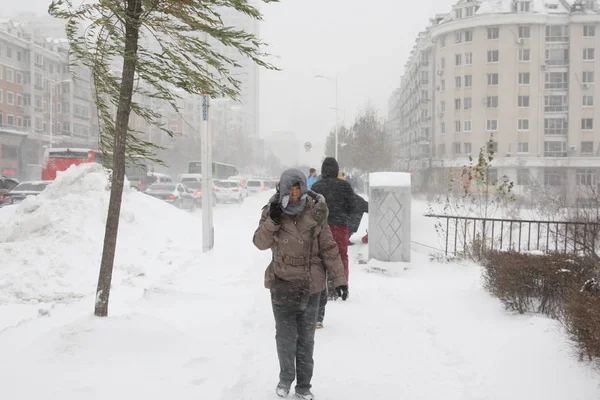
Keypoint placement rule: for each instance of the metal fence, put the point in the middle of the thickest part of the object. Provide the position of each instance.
(468, 235)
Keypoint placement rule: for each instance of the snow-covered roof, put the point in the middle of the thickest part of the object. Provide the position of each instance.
(537, 6)
(508, 7)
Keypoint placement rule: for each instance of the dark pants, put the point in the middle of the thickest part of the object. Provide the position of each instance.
(322, 304)
(295, 342)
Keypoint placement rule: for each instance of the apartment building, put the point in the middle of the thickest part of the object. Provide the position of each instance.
(41, 105)
(520, 73)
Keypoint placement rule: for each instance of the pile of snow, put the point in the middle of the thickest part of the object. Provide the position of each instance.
(389, 179)
(51, 244)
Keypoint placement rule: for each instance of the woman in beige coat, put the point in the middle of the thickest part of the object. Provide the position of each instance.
(294, 226)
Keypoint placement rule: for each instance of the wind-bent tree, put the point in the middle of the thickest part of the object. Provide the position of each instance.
(149, 49)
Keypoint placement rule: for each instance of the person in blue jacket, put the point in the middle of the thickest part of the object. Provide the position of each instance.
(312, 177)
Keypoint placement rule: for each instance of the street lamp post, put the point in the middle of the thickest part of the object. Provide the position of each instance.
(335, 81)
(52, 85)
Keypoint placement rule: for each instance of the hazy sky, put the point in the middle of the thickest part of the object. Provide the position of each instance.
(365, 43)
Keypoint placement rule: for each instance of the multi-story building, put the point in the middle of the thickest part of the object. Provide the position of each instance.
(519, 73)
(41, 105)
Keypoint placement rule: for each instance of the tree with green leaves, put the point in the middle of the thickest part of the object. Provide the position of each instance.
(155, 49)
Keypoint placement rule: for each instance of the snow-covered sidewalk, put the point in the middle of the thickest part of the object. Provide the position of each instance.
(206, 331)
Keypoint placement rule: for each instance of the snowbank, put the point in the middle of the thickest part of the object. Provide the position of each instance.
(51, 244)
(395, 179)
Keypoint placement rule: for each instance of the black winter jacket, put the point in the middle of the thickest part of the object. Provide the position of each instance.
(338, 193)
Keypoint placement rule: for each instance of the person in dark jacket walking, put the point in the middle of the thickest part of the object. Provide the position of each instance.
(294, 226)
(341, 202)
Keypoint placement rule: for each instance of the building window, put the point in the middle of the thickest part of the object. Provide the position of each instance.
(27, 122)
(468, 58)
(456, 148)
(9, 52)
(585, 177)
(557, 57)
(443, 85)
(38, 103)
(10, 120)
(443, 127)
(492, 147)
(523, 147)
(467, 147)
(1, 96)
(557, 33)
(19, 100)
(469, 12)
(10, 98)
(19, 78)
(492, 125)
(19, 122)
(523, 177)
(457, 82)
(468, 36)
(443, 63)
(493, 33)
(555, 149)
(492, 102)
(10, 152)
(524, 55)
(442, 106)
(493, 56)
(458, 60)
(556, 103)
(523, 124)
(458, 13)
(492, 79)
(458, 37)
(523, 101)
(523, 6)
(557, 80)
(468, 126)
(587, 147)
(457, 126)
(587, 124)
(588, 77)
(524, 78)
(524, 32)
(553, 176)
(467, 103)
(556, 126)
(588, 100)
(589, 30)
(10, 75)
(443, 41)
(468, 81)
(589, 54)
(457, 104)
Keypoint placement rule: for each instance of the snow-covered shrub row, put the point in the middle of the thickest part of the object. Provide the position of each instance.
(562, 286)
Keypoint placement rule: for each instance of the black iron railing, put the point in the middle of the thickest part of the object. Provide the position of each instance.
(464, 235)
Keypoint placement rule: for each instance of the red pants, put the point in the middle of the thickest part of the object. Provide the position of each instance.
(340, 235)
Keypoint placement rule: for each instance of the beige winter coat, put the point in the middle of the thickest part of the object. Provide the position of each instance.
(290, 243)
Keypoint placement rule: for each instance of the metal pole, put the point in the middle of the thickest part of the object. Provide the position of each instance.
(337, 125)
(207, 195)
(52, 83)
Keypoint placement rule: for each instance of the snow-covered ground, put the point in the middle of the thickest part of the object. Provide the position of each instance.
(188, 325)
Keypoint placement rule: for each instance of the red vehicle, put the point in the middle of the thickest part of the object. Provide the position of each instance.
(60, 159)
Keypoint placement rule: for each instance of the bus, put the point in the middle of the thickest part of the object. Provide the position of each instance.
(219, 170)
(60, 159)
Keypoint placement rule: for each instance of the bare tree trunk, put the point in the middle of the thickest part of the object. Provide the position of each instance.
(132, 24)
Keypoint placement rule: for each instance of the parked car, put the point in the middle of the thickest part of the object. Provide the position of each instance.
(242, 182)
(256, 186)
(173, 193)
(6, 185)
(228, 190)
(24, 189)
(197, 192)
